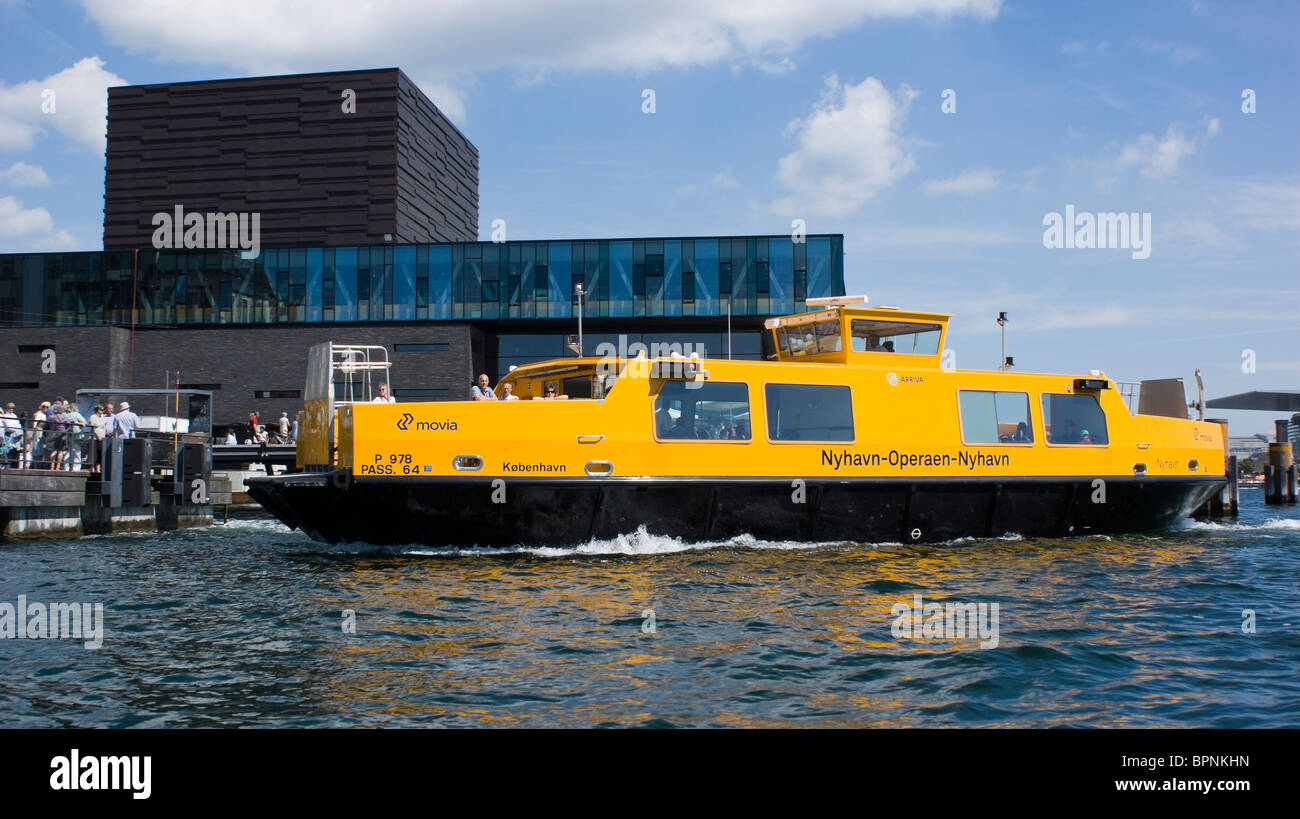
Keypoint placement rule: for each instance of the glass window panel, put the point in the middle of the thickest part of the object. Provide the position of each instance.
(297, 266)
(711, 411)
(315, 272)
(780, 272)
(979, 417)
(672, 279)
(440, 282)
(1074, 419)
(879, 336)
(404, 283)
(540, 346)
(806, 412)
(560, 288)
(706, 277)
(811, 338)
(819, 267)
(747, 346)
(345, 284)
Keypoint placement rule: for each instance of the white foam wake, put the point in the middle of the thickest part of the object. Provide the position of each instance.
(1270, 524)
(639, 542)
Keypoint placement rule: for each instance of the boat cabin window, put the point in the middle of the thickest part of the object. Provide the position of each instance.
(879, 336)
(1074, 419)
(710, 411)
(995, 417)
(810, 338)
(579, 386)
(808, 412)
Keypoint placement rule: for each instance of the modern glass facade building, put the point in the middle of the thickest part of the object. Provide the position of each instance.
(366, 219)
(445, 312)
(752, 276)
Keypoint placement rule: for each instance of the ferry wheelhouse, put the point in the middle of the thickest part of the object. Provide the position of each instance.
(853, 431)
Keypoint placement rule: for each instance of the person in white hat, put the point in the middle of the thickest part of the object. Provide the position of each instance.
(125, 422)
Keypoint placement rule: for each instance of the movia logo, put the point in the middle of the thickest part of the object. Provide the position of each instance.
(408, 420)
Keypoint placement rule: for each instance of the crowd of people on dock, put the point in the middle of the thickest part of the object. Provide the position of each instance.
(283, 431)
(57, 435)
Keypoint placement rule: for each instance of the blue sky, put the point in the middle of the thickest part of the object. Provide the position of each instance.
(769, 111)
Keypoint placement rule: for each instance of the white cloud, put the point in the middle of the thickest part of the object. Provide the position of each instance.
(1177, 54)
(450, 101)
(1270, 207)
(1076, 48)
(1199, 228)
(850, 149)
(80, 104)
(724, 180)
(981, 180)
(22, 175)
(781, 66)
(33, 226)
(1158, 158)
(922, 236)
(721, 181)
(455, 39)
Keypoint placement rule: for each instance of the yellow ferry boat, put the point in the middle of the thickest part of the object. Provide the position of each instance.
(854, 431)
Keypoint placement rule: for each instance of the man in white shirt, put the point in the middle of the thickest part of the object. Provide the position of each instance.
(508, 392)
(482, 391)
(383, 397)
(125, 421)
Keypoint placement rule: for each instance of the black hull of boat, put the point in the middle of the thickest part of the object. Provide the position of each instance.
(461, 511)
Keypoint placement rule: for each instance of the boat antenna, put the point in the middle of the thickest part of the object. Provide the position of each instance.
(1002, 322)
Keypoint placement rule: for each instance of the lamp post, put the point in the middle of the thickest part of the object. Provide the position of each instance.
(579, 292)
(1002, 322)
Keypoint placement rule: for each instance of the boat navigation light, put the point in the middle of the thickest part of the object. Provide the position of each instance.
(835, 301)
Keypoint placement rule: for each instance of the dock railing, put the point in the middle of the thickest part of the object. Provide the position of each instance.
(30, 445)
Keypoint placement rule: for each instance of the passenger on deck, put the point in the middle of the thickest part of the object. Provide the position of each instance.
(382, 398)
(508, 392)
(482, 391)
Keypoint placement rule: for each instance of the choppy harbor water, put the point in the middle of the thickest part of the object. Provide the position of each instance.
(242, 625)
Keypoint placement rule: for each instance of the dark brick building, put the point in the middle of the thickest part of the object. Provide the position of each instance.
(339, 158)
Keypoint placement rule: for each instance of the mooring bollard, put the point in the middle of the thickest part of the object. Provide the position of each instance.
(1279, 475)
